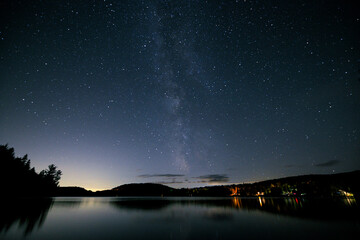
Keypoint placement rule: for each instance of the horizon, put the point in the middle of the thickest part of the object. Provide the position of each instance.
(214, 184)
(181, 92)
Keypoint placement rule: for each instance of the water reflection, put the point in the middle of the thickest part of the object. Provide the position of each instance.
(219, 215)
(315, 208)
(75, 202)
(350, 202)
(28, 214)
(141, 204)
(327, 209)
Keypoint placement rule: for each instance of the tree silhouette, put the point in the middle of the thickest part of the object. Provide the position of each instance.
(19, 179)
(51, 175)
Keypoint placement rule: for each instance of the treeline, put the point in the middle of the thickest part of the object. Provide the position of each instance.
(18, 178)
(327, 185)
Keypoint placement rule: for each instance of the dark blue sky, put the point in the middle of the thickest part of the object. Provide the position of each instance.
(187, 93)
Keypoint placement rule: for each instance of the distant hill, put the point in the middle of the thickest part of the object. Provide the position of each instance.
(139, 189)
(348, 178)
(73, 191)
(314, 185)
(321, 185)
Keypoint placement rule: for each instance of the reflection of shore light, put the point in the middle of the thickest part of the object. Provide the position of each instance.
(260, 201)
(350, 201)
(236, 202)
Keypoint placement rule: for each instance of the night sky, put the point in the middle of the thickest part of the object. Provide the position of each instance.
(185, 93)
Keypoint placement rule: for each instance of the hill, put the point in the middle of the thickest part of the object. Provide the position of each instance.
(139, 189)
(320, 185)
(314, 185)
(73, 191)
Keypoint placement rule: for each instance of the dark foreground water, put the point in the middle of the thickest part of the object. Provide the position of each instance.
(179, 218)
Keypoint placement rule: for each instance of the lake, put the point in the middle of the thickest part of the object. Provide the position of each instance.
(178, 218)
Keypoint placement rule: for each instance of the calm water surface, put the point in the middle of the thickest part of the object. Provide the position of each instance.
(179, 218)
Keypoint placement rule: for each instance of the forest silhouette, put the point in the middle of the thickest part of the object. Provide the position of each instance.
(18, 178)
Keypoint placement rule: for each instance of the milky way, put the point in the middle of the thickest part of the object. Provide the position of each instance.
(185, 93)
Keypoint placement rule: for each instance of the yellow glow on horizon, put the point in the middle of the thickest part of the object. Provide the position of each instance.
(97, 189)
